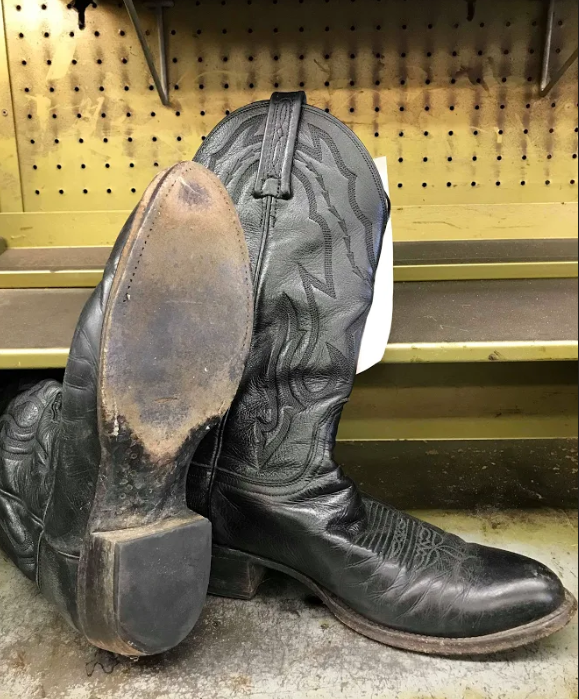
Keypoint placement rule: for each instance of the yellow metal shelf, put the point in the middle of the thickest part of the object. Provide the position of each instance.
(56, 358)
(70, 229)
(435, 322)
(463, 352)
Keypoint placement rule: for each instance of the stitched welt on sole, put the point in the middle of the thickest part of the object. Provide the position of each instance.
(231, 569)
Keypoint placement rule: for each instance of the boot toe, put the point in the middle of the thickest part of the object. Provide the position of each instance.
(511, 591)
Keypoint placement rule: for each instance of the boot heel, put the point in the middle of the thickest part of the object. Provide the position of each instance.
(234, 574)
(142, 590)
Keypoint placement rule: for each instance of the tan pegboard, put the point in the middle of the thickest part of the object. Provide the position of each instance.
(452, 100)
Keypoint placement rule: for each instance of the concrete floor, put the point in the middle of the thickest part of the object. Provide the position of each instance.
(285, 645)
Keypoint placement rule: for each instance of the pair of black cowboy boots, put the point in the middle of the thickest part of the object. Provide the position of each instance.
(190, 445)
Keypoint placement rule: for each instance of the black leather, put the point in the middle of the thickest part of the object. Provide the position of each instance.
(28, 426)
(266, 478)
(49, 459)
(279, 145)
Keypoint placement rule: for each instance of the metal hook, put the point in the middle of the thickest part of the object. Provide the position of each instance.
(548, 82)
(161, 81)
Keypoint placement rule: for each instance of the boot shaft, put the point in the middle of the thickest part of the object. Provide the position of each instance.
(314, 212)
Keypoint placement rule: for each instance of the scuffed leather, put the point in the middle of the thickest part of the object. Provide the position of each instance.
(28, 428)
(49, 459)
(266, 477)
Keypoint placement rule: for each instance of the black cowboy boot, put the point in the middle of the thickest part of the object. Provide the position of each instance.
(314, 212)
(93, 472)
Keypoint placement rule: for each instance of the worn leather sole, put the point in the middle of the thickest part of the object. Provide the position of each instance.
(174, 343)
(239, 575)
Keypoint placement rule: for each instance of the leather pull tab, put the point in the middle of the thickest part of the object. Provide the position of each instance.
(279, 144)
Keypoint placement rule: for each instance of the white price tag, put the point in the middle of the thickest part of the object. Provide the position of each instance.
(379, 323)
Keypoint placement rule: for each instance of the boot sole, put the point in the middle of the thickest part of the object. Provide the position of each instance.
(175, 340)
(239, 575)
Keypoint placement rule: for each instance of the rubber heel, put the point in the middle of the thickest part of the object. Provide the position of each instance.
(141, 591)
(234, 574)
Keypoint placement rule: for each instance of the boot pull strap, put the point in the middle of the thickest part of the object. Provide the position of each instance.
(279, 144)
